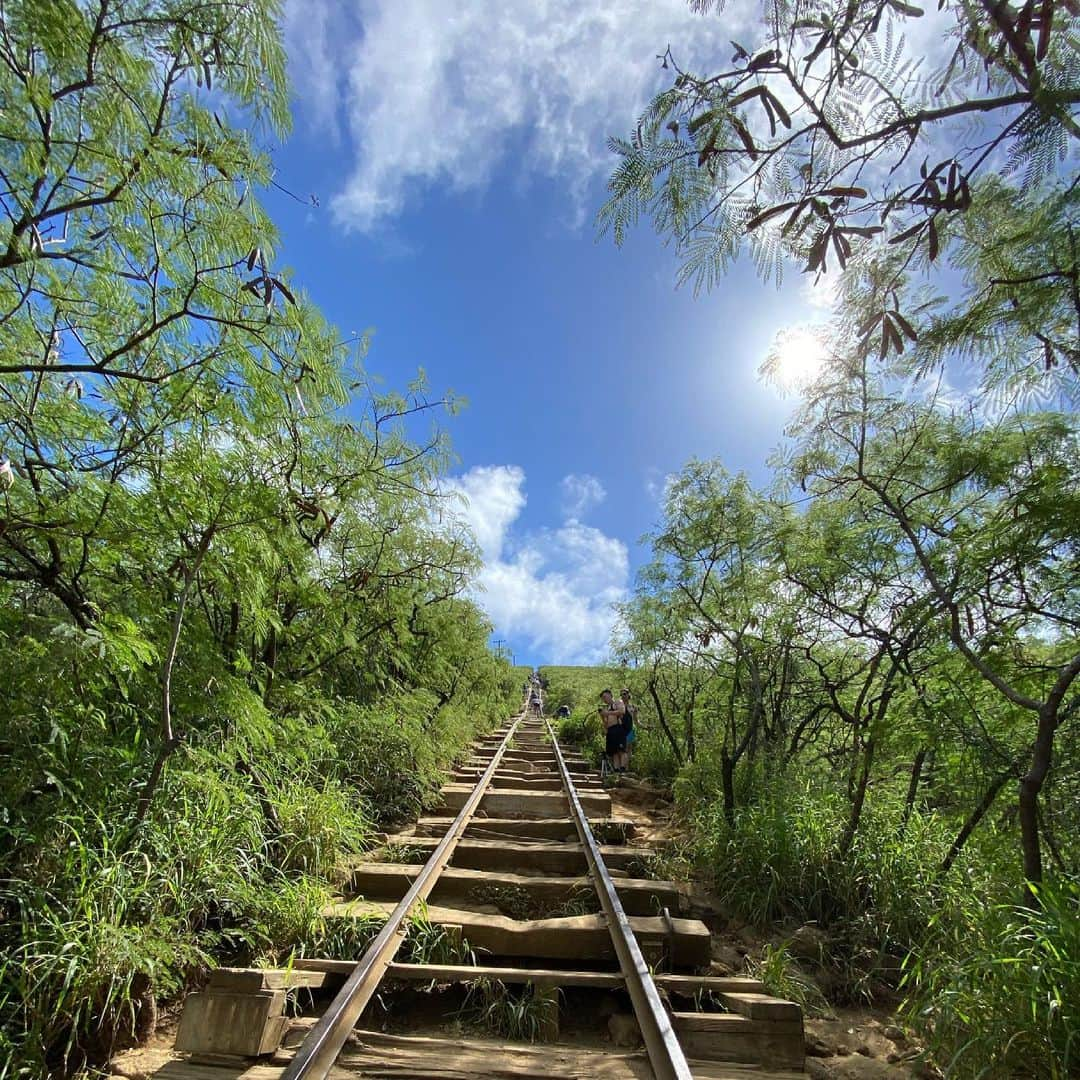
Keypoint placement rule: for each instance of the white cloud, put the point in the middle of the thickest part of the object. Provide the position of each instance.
(657, 484)
(554, 588)
(493, 500)
(820, 293)
(437, 94)
(580, 493)
(314, 32)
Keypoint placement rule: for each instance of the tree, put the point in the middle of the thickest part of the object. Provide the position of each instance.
(711, 622)
(136, 288)
(828, 141)
(985, 520)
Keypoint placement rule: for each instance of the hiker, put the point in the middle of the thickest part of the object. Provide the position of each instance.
(629, 716)
(563, 712)
(611, 716)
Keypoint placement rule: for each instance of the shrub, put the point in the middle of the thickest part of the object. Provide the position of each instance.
(518, 1012)
(996, 992)
(784, 978)
(319, 825)
(581, 729)
(778, 861)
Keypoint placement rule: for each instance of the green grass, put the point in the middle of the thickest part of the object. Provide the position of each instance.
(516, 1012)
(784, 978)
(778, 864)
(232, 866)
(347, 937)
(1004, 969)
(403, 852)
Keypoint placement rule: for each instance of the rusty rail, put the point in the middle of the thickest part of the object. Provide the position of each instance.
(665, 1054)
(317, 1053)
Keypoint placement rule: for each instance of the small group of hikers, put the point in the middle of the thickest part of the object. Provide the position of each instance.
(536, 683)
(617, 716)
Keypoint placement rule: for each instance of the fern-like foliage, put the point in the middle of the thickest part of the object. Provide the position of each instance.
(830, 142)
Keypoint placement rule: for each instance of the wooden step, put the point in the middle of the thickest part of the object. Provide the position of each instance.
(608, 831)
(738, 988)
(551, 858)
(513, 754)
(539, 783)
(738, 994)
(515, 801)
(422, 1057)
(732, 1037)
(527, 762)
(549, 781)
(578, 937)
(390, 881)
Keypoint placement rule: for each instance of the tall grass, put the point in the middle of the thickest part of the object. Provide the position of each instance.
(996, 993)
(993, 989)
(778, 863)
(234, 864)
(520, 1013)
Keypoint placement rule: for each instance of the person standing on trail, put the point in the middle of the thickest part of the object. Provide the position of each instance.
(629, 718)
(611, 716)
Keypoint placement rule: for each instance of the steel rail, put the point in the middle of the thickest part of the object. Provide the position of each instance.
(319, 1050)
(665, 1054)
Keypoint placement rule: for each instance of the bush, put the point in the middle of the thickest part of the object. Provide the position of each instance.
(996, 992)
(234, 864)
(778, 862)
(581, 729)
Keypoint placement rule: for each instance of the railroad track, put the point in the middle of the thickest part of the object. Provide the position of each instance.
(511, 874)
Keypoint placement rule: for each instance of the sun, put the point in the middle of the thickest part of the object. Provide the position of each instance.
(797, 357)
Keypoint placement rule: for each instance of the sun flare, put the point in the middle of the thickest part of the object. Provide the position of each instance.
(798, 357)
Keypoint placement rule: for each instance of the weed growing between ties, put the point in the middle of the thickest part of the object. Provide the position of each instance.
(514, 902)
(583, 901)
(347, 937)
(430, 943)
(511, 1012)
(403, 852)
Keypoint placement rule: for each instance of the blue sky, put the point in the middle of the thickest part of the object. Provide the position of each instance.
(458, 162)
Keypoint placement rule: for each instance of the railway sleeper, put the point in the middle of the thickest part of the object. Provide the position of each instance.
(534, 782)
(538, 857)
(511, 802)
(516, 895)
(534, 756)
(527, 760)
(730, 1037)
(390, 1056)
(606, 830)
(738, 993)
(758, 1029)
(684, 943)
